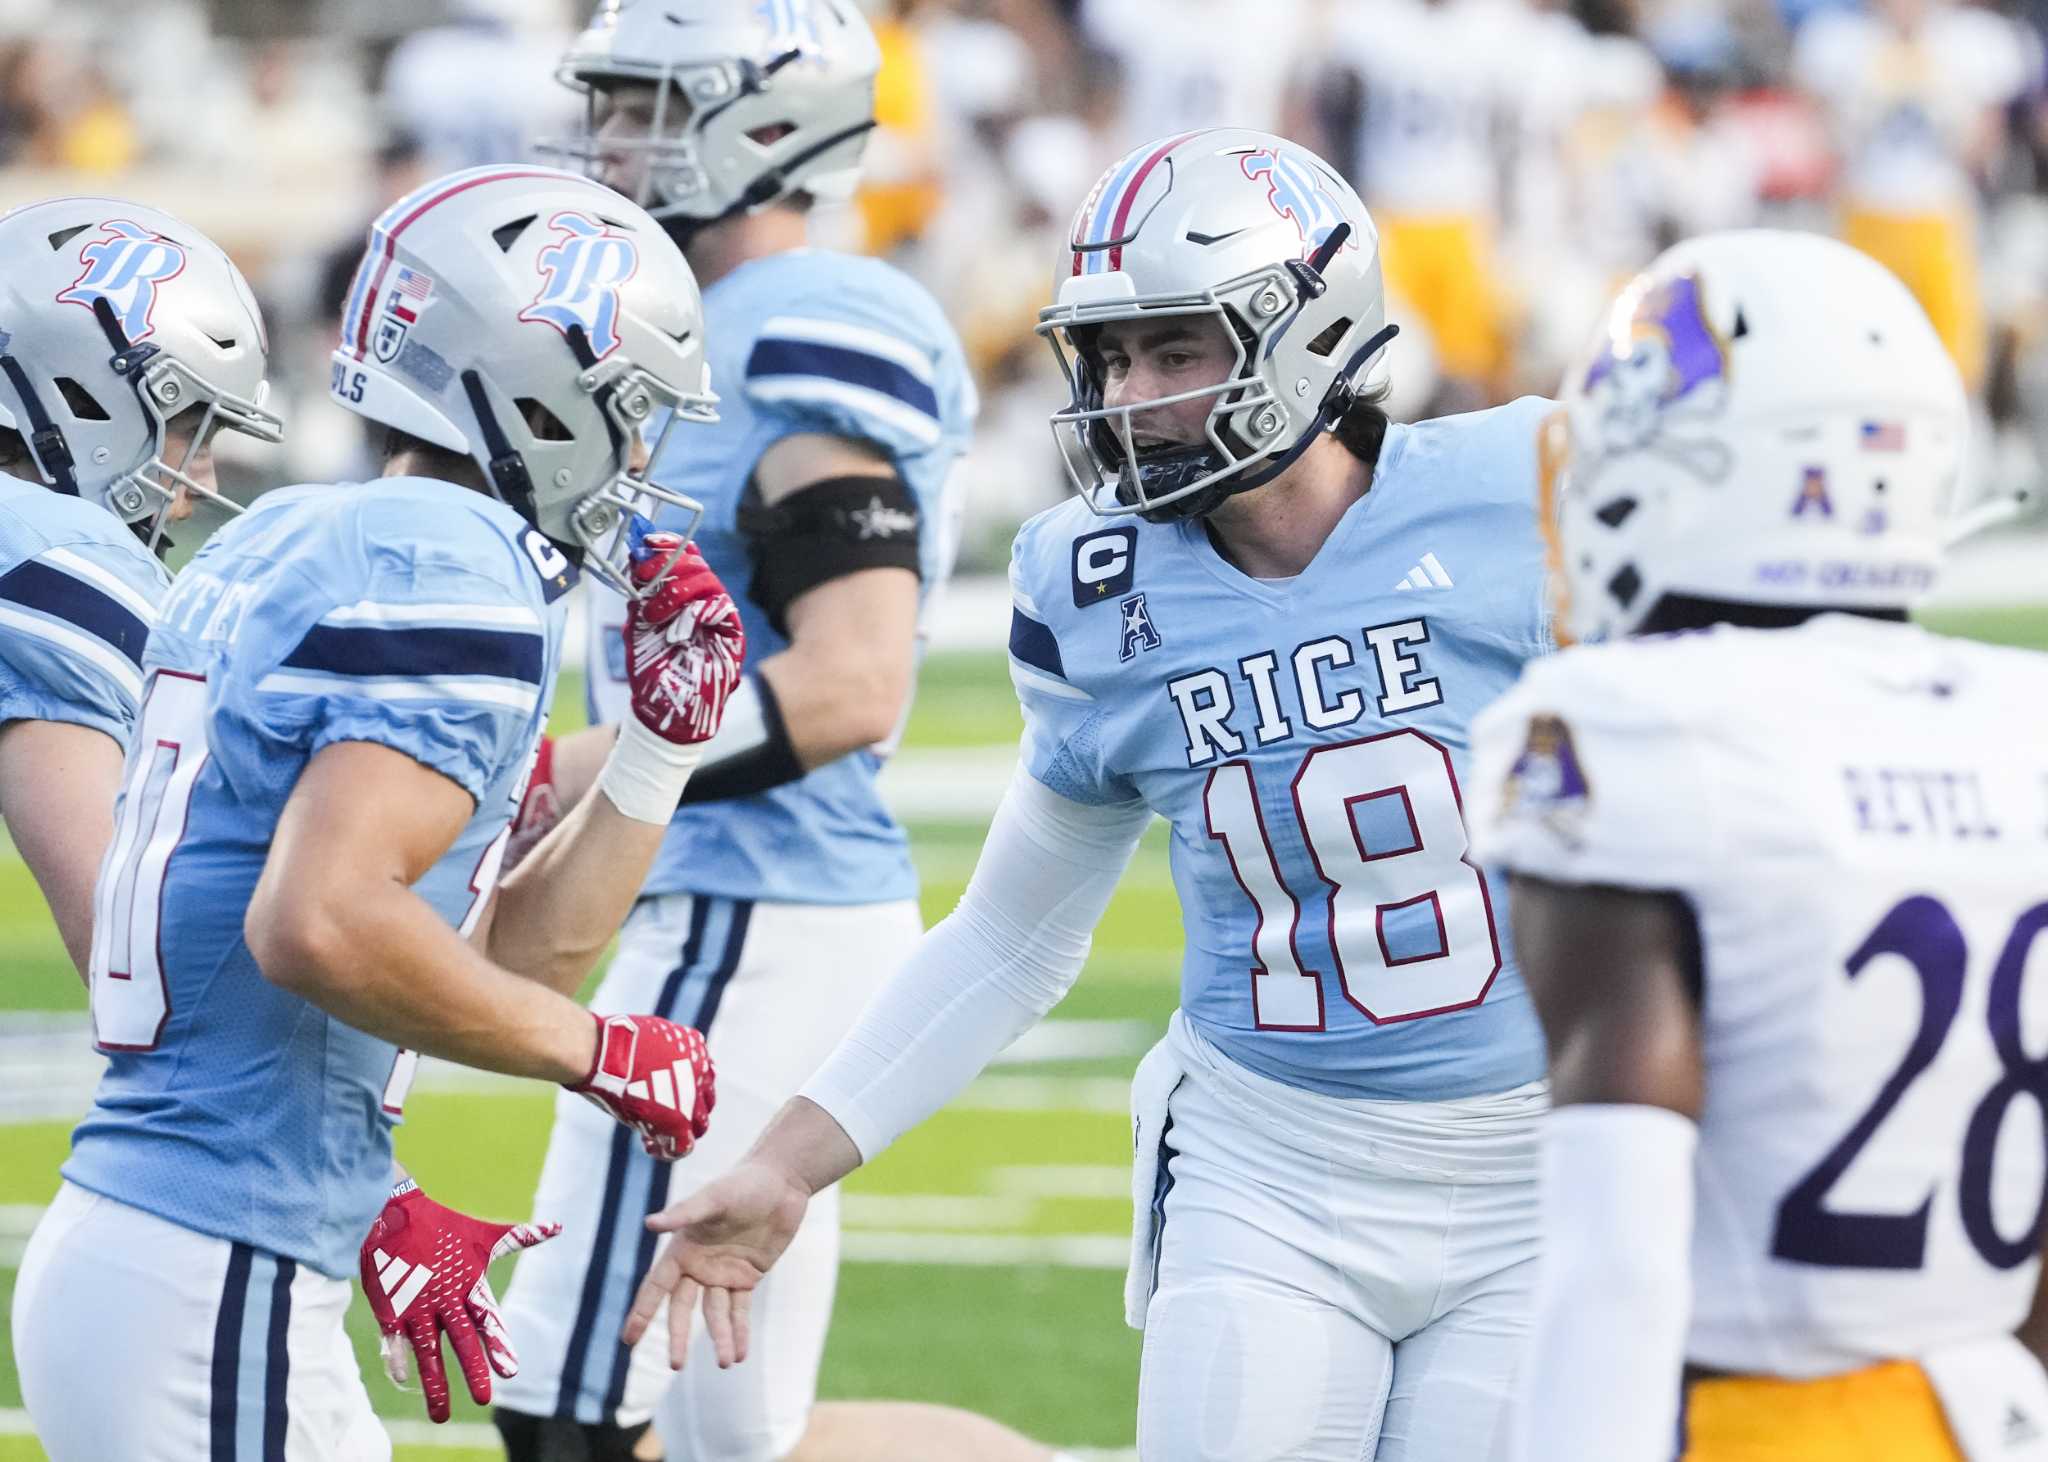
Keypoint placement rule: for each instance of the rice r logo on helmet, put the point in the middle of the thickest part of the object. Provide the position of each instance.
(1296, 193)
(123, 266)
(793, 26)
(584, 269)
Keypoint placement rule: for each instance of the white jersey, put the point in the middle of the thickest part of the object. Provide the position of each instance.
(1190, 64)
(1438, 83)
(1907, 111)
(1857, 812)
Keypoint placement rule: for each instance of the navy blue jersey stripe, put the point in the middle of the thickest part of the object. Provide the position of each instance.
(37, 586)
(277, 1374)
(774, 357)
(227, 1353)
(1034, 644)
(657, 1187)
(365, 650)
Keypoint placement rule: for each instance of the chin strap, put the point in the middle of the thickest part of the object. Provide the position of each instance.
(1336, 401)
(45, 437)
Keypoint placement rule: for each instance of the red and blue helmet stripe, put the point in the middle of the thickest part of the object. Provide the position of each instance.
(1100, 228)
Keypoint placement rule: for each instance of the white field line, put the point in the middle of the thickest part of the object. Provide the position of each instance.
(482, 1437)
(1061, 1180)
(884, 1211)
(48, 1068)
(1054, 1251)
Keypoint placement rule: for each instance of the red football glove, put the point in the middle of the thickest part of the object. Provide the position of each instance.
(425, 1271)
(539, 810)
(684, 643)
(656, 1077)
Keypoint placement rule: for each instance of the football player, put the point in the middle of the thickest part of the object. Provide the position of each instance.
(126, 340)
(343, 693)
(1267, 617)
(785, 894)
(1777, 886)
(1915, 92)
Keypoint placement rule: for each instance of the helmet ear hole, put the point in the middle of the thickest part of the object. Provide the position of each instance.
(1325, 344)
(1616, 513)
(81, 401)
(543, 423)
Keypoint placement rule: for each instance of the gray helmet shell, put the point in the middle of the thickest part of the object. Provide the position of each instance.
(1224, 223)
(539, 324)
(116, 319)
(753, 102)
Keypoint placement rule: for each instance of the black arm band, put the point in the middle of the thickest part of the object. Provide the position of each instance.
(826, 531)
(760, 756)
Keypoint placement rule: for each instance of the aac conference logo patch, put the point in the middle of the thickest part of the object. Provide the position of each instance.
(1105, 565)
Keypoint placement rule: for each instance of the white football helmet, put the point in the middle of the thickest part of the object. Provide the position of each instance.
(115, 321)
(1767, 418)
(537, 323)
(1256, 231)
(752, 101)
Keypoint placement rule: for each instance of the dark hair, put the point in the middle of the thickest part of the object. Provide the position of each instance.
(431, 460)
(1363, 426)
(13, 449)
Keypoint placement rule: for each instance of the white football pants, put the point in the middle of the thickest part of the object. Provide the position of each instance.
(1338, 1280)
(773, 987)
(144, 1341)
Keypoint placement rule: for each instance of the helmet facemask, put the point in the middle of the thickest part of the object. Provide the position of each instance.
(181, 411)
(533, 456)
(1245, 426)
(666, 160)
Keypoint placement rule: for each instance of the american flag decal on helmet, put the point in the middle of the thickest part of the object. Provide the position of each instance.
(1101, 228)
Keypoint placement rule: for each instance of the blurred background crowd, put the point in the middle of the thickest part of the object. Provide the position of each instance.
(1521, 158)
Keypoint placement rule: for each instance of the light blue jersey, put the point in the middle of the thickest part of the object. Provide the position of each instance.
(1307, 740)
(78, 593)
(409, 613)
(830, 344)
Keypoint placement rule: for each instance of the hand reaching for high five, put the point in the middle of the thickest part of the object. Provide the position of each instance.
(728, 1235)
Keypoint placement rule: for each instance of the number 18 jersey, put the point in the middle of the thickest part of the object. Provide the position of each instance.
(1307, 740)
(406, 613)
(1857, 813)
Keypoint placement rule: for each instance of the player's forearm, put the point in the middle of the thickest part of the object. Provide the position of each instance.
(1607, 1345)
(838, 694)
(57, 788)
(579, 757)
(378, 957)
(987, 972)
(558, 910)
(805, 1143)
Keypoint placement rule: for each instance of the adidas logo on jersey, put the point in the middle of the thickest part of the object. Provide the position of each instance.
(402, 1281)
(666, 1084)
(1429, 574)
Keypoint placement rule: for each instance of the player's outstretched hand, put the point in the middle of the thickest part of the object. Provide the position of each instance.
(426, 1272)
(728, 1235)
(684, 643)
(656, 1077)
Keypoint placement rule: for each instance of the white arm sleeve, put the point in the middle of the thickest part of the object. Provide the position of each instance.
(1606, 1351)
(987, 972)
